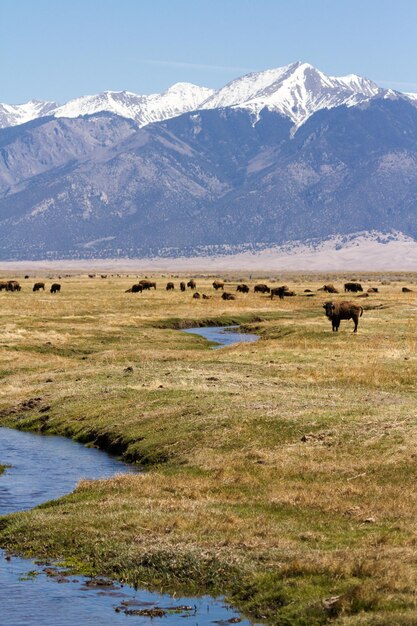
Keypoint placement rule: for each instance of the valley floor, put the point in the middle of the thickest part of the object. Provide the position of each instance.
(282, 473)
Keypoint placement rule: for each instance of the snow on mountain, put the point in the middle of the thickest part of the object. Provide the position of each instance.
(178, 99)
(14, 114)
(295, 91)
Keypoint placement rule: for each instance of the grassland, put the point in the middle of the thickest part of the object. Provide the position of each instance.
(282, 473)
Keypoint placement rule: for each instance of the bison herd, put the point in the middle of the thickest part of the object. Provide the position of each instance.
(334, 311)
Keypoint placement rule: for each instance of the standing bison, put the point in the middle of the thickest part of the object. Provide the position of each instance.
(147, 284)
(38, 287)
(353, 287)
(170, 286)
(281, 292)
(55, 288)
(218, 284)
(192, 284)
(13, 285)
(261, 288)
(337, 311)
(183, 286)
(242, 288)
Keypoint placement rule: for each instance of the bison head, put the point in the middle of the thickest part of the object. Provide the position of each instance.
(329, 308)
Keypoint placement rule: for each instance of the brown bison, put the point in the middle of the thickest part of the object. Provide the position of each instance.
(170, 286)
(55, 288)
(218, 284)
(3, 285)
(373, 290)
(38, 287)
(330, 289)
(353, 287)
(183, 286)
(192, 284)
(406, 290)
(337, 311)
(13, 285)
(138, 288)
(242, 288)
(196, 295)
(147, 284)
(206, 297)
(281, 292)
(228, 296)
(261, 288)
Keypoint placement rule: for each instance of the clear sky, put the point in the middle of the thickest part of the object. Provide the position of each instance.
(61, 49)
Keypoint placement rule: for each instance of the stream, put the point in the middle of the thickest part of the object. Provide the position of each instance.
(44, 468)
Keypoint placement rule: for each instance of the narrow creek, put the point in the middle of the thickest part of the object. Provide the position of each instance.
(44, 468)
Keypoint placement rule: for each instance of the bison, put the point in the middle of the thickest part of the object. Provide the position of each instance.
(330, 289)
(3, 285)
(228, 296)
(38, 287)
(55, 288)
(183, 286)
(196, 295)
(138, 288)
(406, 290)
(282, 292)
(147, 284)
(353, 287)
(261, 288)
(170, 286)
(218, 284)
(242, 288)
(206, 297)
(13, 285)
(337, 311)
(373, 290)
(192, 284)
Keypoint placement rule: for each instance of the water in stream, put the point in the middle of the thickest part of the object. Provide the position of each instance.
(223, 335)
(44, 468)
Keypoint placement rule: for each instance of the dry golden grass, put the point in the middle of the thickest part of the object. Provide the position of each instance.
(281, 472)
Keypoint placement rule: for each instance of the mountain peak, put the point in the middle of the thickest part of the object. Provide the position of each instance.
(296, 91)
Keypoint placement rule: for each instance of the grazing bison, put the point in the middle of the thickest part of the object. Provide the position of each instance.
(373, 290)
(170, 286)
(135, 289)
(330, 289)
(261, 288)
(281, 292)
(196, 295)
(38, 287)
(192, 284)
(218, 284)
(3, 285)
(55, 288)
(242, 288)
(337, 311)
(183, 286)
(91, 276)
(228, 296)
(13, 285)
(353, 287)
(406, 290)
(147, 284)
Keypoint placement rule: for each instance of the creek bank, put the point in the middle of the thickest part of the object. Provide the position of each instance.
(42, 470)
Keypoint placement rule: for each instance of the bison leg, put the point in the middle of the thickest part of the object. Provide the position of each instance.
(355, 321)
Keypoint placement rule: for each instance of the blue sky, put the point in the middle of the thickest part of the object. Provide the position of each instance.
(61, 49)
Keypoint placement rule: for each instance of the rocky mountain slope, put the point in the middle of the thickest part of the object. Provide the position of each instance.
(239, 172)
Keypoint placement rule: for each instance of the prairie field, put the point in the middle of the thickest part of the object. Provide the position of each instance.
(280, 473)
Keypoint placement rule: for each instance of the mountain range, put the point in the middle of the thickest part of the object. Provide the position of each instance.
(275, 156)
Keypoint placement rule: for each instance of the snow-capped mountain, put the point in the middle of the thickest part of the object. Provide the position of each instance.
(178, 99)
(15, 114)
(295, 91)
